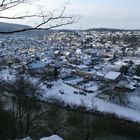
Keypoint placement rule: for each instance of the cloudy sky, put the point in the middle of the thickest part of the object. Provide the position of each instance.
(93, 13)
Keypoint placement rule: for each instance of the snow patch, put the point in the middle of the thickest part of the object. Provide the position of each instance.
(53, 137)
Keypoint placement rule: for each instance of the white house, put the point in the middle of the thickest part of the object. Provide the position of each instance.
(112, 76)
(37, 65)
(81, 67)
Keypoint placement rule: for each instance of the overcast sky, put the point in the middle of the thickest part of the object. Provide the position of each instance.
(95, 13)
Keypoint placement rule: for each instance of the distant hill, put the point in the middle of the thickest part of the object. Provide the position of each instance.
(110, 30)
(11, 27)
(96, 29)
(66, 30)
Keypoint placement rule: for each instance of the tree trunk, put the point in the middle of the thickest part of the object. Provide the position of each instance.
(27, 123)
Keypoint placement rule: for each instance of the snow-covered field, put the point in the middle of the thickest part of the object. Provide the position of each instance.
(89, 101)
(134, 102)
(53, 137)
(72, 97)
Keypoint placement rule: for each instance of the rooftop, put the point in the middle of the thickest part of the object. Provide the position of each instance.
(112, 75)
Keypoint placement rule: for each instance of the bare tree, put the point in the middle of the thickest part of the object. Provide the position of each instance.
(25, 103)
(44, 21)
(7, 4)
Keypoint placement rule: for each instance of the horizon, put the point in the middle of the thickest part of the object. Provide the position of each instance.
(94, 28)
(116, 14)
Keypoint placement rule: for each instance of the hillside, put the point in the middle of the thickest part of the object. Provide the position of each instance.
(11, 27)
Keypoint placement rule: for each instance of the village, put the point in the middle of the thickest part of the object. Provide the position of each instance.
(99, 70)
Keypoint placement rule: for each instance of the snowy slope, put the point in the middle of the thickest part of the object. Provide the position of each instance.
(89, 101)
(53, 137)
(134, 102)
(11, 27)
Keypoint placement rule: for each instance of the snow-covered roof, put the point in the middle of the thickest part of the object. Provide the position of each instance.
(37, 64)
(112, 75)
(93, 88)
(128, 85)
(136, 77)
(66, 70)
(81, 66)
(99, 74)
(53, 137)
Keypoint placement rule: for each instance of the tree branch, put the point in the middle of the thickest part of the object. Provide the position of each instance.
(8, 4)
(46, 22)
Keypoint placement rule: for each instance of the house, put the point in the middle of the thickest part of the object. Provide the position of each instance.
(82, 71)
(81, 67)
(59, 62)
(113, 76)
(65, 72)
(84, 74)
(49, 69)
(129, 86)
(136, 78)
(36, 66)
(98, 76)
